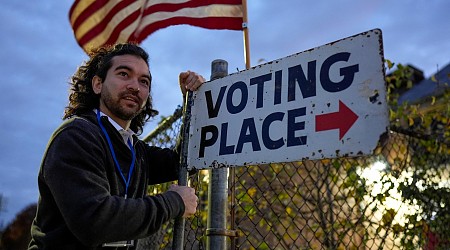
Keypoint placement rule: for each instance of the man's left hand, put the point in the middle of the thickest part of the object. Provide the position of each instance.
(190, 81)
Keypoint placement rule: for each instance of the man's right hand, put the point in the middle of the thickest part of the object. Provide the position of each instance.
(189, 198)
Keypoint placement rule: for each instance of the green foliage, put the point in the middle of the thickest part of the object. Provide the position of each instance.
(429, 116)
(427, 186)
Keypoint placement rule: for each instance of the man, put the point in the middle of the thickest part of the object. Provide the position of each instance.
(95, 171)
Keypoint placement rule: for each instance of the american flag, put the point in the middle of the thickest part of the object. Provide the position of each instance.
(102, 22)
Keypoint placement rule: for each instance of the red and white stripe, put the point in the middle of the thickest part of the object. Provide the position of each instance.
(100, 22)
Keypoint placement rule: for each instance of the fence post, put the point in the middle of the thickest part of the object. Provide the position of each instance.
(217, 187)
(180, 223)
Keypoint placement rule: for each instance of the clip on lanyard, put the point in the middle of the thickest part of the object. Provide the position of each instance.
(130, 172)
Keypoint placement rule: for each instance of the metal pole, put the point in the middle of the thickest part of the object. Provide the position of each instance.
(178, 234)
(218, 187)
(246, 35)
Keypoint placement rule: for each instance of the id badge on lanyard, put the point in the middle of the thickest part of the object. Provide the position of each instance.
(124, 243)
(128, 243)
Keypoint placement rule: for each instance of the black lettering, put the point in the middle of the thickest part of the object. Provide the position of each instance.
(307, 85)
(224, 149)
(244, 97)
(213, 110)
(277, 94)
(267, 141)
(260, 80)
(347, 72)
(294, 126)
(252, 137)
(204, 142)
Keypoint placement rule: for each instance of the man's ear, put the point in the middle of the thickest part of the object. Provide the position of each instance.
(97, 84)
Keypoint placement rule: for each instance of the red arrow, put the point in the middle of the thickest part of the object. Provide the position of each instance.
(342, 120)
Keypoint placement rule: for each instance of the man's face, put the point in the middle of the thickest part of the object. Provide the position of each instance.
(125, 90)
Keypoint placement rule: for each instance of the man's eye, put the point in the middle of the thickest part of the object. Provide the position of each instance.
(145, 82)
(123, 73)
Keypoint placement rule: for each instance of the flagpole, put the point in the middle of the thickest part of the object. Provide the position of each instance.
(246, 35)
(232, 170)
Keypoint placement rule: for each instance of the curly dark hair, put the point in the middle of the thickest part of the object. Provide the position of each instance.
(82, 98)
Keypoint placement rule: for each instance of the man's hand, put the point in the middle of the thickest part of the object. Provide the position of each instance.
(189, 198)
(190, 81)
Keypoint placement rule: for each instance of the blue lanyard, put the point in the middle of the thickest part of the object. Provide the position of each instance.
(130, 172)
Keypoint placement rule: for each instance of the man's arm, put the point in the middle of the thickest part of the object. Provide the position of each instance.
(74, 170)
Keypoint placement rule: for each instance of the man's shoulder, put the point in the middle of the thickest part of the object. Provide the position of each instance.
(78, 122)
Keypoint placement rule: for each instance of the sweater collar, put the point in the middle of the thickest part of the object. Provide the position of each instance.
(126, 134)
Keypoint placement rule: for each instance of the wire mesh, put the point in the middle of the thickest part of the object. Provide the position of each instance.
(343, 203)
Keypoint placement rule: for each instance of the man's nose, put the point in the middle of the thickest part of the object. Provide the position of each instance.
(133, 86)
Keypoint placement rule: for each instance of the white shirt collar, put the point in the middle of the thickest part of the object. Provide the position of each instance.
(126, 134)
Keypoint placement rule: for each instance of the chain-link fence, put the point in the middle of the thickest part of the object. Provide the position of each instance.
(343, 203)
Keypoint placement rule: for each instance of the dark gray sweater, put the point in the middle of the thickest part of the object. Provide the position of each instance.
(82, 204)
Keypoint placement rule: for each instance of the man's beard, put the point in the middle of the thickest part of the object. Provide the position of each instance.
(118, 110)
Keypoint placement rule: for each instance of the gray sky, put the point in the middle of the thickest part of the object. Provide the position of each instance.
(39, 54)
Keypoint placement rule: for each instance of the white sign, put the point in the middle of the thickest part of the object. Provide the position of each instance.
(326, 102)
